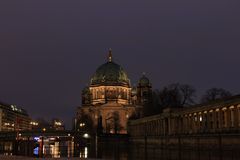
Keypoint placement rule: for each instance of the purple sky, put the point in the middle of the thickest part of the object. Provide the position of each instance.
(49, 49)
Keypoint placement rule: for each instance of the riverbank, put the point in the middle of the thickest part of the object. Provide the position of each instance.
(2, 157)
(187, 147)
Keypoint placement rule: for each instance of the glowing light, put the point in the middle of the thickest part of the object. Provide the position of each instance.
(36, 151)
(86, 152)
(82, 124)
(36, 138)
(58, 123)
(7, 124)
(86, 135)
(34, 123)
(232, 107)
(14, 108)
(200, 118)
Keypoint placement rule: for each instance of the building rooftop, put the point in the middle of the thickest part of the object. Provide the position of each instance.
(12, 108)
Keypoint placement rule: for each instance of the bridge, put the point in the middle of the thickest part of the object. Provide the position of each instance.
(11, 135)
(25, 142)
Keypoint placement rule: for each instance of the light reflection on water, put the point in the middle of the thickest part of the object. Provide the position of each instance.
(126, 151)
(62, 149)
(59, 149)
(84, 153)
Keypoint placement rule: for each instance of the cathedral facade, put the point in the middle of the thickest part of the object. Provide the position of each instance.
(109, 101)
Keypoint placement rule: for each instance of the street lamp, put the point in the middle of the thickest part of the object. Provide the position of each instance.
(82, 124)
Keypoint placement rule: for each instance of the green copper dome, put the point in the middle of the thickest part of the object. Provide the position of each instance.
(110, 73)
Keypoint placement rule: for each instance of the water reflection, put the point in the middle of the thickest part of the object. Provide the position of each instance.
(84, 153)
(53, 147)
(120, 150)
(6, 148)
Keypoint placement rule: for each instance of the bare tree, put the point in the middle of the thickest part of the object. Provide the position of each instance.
(169, 96)
(215, 93)
(187, 94)
(173, 95)
(177, 95)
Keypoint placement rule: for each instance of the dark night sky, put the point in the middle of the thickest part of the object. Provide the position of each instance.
(50, 49)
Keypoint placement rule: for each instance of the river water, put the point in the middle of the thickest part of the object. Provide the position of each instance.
(124, 150)
(155, 152)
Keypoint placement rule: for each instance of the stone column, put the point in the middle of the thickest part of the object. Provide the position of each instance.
(228, 113)
(214, 120)
(185, 124)
(220, 114)
(169, 126)
(238, 116)
(162, 126)
(235, 117)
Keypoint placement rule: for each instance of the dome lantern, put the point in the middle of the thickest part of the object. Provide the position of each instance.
(110, 55)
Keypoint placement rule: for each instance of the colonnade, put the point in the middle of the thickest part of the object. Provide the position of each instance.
(199, 120)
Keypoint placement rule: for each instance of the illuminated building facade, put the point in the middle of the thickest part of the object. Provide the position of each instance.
(42, 125)
(110, 100)
(221, 116)
(13, 118)
(57, 125)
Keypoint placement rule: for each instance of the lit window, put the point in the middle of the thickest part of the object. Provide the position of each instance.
(200, 118)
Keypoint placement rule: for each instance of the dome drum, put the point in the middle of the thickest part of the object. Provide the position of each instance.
(104, 94)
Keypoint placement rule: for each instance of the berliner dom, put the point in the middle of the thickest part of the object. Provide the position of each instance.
(109, 100)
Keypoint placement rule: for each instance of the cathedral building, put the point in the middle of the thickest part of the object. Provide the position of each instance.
(110, 101)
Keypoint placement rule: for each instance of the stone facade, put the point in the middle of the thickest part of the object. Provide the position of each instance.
(219, 117)
(110, 100)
